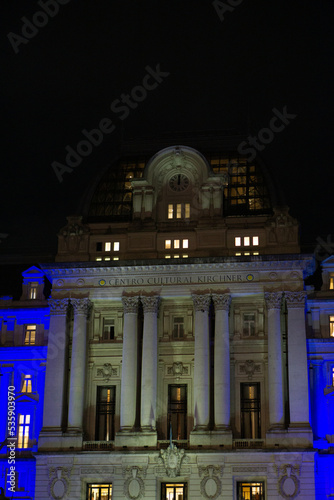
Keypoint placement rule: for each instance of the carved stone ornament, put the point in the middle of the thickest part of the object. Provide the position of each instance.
(150, 303)
(134, 487)
(58, 306)
(289, 484)
(178, 157)
(221, 301)
(172, 459)
(177, 369)
(249, 368)
(201, 302)
(211, 485)
(273, 299)
(59, 482)
(295, 299)
(74, 234)
(107, 371)
(130, 304)
(81, 306)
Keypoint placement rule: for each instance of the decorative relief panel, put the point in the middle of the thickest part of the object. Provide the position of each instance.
(211, 485)
(107, 371)
(178, 369)
(288, 483)
(97, 470)
(249, 469)
(171, 460)
(59, 482)
(134, 487)
(249, 368)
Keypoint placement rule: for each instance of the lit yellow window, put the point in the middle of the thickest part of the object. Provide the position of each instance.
(176, 256)
(30, 335)
(170, 211)
(27, 387)
(176, 243)
(237, 241)
(178, 210)
(107, 258)
(256, 253)
(107, 246)
(247, 253)
(185, 243)
(98, 259)
(33, 290)
(167, 256)
(168, 244)
(116, 246)
(246, 241)
(23, 431)
(255, 240)
(187, 210)
(115, 258)
(238, 254)
(331, 326)
(331, 282)
(184, 256)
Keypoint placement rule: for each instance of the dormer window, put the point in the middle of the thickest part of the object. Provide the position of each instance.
(27, 384)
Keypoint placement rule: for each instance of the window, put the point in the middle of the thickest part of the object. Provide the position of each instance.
(107, 246)
(108, 329)
(248, 328)
(23, 431)
(105, 413)
(30, 335)
(246, 241)
(255, 240)
(99, 246)
(116, 246)
(331, 326)
(33, 287)
(168, 244)
(170, 211)
(331, 282)
(332, 376)
(187, 210)
(27, 384)
(177, 411)
(250, 411)
(185, 243)
(178, 327)
(176, 243)
(178, 211)
(99, 491)
(174, 491)
(98, 259)
(250, 491)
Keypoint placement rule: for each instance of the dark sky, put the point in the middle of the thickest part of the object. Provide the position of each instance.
(224, 74)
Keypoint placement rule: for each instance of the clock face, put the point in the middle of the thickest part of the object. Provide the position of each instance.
(179, 182)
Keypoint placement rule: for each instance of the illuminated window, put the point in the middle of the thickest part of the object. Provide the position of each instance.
(247, 253)
(250, 491)
(167, 256)
(174, 491)
(176, 256)
(246, 241)
(107, 258)
(238, 254)
(98, 259)
(108, 329)
(250, 410)
(170, 211)
(256, 253)
(23, 431)
(185, 256)
(27, 387)
(331, 326)
(116, 246)
(332, 377)
(168, 244)
(99, 491)
(105, 413)
(107, 246)
(237, 241)
(30, 335)
(248, 327)
(187, 210)
(176, 243)
(33, 290)
(177, 411)
(115, 258)
(255, 240)
(185, 243)
(178, 210)
(178, 327)
(331, 282)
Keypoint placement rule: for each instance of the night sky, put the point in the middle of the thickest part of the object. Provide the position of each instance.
(226, 65)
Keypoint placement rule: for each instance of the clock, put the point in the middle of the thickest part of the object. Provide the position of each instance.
(179, 182)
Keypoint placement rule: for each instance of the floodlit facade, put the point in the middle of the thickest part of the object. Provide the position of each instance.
(180, 344)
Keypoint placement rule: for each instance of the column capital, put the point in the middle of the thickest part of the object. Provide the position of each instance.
(295, 300)
(221, 301)
(81, 306)
(273, 299)
(130, 304)
(201, 302)
(150, 303)
(58, 306)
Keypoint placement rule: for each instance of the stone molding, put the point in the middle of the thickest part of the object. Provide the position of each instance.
(288, 485)
(134, 487)
(58, 307)
(150, 303)
(81, 306)
(172, 459)
(130, 304)
(295, 300)
(201, 302)
(273, 299)
(211, 485)
(221, 301)
(249, 469)
(177, 369)
(59, 482)
(249, 368)
(107, 371)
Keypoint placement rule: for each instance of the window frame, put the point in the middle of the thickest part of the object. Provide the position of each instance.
(183, 410)
(253, 409)
(252, 482)
(164, 486)
(28, 332)
(99, 486)
(25, 425)
(99, 413)
(331, 325)
(26, 377)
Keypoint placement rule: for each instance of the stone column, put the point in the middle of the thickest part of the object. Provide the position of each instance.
(149, 363)
(78, 364)
(297, 360)
(129, 363)
(222, 362)
(202, 362)
(55, 376)
(275, 366)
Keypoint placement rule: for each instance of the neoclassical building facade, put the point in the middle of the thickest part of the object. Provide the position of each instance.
(180, 344)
